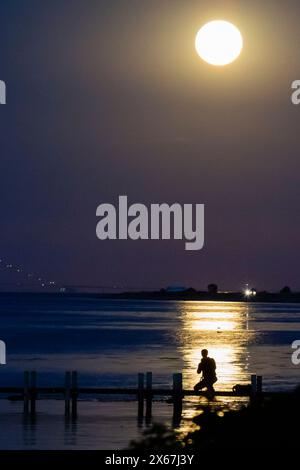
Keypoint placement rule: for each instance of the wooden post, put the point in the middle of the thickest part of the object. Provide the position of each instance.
(253, 385)
(74, 394)
(259, 384)
(32, 392)
(148, 397)
(67, 393)
(26, 392)
(177, 399)
(177, 386)
(141, 380)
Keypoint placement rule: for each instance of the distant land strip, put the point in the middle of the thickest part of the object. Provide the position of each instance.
(188, 295)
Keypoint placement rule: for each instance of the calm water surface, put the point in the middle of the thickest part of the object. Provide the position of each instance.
(108, 342)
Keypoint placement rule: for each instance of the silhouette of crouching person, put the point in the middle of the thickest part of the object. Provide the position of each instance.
(207, 367)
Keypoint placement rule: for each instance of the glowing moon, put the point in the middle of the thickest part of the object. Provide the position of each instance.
(219, 42)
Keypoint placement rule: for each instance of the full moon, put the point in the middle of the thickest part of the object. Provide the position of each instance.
(219, 42)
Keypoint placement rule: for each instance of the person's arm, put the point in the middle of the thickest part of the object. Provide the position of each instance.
(199, 370)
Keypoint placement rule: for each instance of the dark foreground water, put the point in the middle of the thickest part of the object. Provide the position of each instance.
(108, 342)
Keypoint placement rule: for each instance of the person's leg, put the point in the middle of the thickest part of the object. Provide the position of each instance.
(200, 385)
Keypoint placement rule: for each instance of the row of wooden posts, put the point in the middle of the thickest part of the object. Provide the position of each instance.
(31, 391)
(144, 392)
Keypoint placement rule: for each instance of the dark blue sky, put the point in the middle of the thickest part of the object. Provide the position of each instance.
(108, 98)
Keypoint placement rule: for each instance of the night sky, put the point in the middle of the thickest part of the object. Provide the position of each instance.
(106, 98)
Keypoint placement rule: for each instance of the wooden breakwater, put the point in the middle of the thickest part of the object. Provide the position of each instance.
(144, 393)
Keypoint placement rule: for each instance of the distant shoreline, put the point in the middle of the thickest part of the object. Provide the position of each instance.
(164, 295)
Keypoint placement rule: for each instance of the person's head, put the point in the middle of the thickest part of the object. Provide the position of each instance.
(204, 353)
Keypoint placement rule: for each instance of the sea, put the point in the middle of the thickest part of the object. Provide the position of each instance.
(109, 341)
